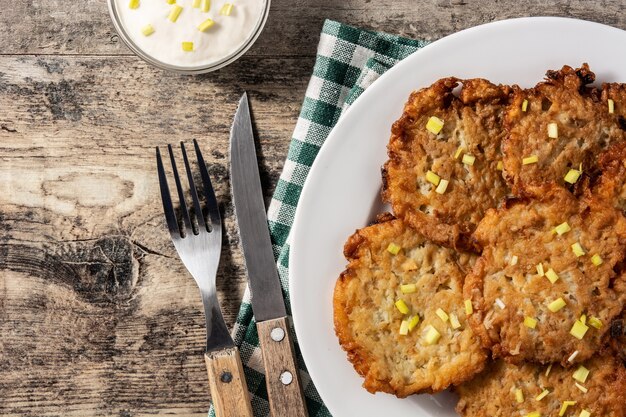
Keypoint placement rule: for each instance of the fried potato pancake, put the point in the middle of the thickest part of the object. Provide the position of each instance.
(496, 392)
(465, 153)
(368, 322)
(565, 126)
(556, 239)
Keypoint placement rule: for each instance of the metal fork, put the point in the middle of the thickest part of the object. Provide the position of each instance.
(199, 248)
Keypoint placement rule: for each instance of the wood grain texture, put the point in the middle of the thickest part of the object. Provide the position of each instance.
(284, 387)
(229, 390)
(98, 316)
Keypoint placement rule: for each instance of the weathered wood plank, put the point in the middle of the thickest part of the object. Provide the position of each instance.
(98, 315)
(53, 27)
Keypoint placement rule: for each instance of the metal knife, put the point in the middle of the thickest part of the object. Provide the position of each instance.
(283, 383)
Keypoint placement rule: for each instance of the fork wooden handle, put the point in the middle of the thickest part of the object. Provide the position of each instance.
(281, 373)
(227, 382)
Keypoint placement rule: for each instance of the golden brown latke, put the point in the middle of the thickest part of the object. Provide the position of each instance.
(367, 321)
(473, 122)
(526, 229)
(585, 128)
(493, 393)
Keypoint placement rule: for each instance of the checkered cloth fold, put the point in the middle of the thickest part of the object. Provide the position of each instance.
(348, 61)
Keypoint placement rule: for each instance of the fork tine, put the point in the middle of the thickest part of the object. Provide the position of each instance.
(181, 195)
(214, 212)
(168, 208)
(194, 192)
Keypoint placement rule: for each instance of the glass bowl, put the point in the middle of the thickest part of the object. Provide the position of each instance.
(201, 69)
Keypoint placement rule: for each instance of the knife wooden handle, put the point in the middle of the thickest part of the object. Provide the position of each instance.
(281, 373)
(229, 391)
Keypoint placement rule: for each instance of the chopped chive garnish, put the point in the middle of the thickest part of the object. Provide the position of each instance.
(434, 125)
(202, 27)
(174, 13)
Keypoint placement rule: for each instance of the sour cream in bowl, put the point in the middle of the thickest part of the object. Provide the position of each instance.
(189, 36)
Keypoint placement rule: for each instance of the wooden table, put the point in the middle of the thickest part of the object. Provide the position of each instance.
(97, 314)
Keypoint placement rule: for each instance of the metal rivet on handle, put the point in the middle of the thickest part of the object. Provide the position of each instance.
(277, 334)
(286, 378)
(226, 377)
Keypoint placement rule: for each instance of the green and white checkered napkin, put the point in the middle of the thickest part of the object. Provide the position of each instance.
(348, 61)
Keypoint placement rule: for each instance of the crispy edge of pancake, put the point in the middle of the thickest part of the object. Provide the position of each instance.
(439, 99)
(357, 354)
(498, 381)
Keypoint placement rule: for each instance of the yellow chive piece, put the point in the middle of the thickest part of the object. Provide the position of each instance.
(530, 322)
(543, 395)
(552, 276)
(579, 330)
(147, 30)
(469, 308)
(202, 27)
(442, 315)
(553, 130)
(562, 229)
(434, 125)
(572, 176)
(578, 250)
(499, 166)
(540, 270)
(582, 388)
(408, 288)
(533, 159)
(409, 265)
(431, 335)
(564, 407)
(468, 159)
(548, 370)
(226, 9)
(442, 187)
(595, 322)
(454, 321)
(432, 178)
(171, 1)
(556, 305)
(402, 307)
(196, 4)
(596, 260)
(404, 327)
(524, 105)
(583, 319)
(534, 414)
(206, 5)
(458, 152)
(519, 396)
(581, 374)
(188, 46)
(514, 260)
(174, 13)
(413, 322)
(133, 4)
(393, 248)
(611, 104)
(584, 413)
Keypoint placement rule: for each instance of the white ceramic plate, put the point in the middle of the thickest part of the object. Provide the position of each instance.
(342, 191)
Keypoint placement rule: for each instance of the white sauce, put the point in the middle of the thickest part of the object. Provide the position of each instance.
(227, 35)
